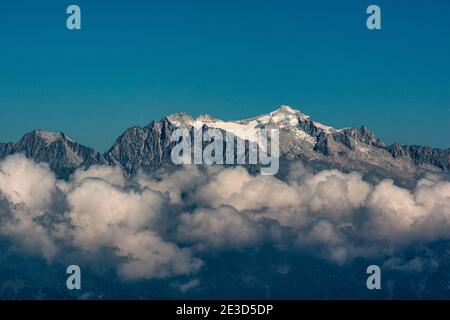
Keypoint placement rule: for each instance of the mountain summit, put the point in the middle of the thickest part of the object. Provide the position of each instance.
(58, 150)
(301, 138)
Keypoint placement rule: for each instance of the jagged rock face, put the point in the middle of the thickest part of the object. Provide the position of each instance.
(62, 153)
(143, 148)
(300, 138)
(150, 147)
(422, 156)
(6, 148)
(349, 136)
(298, 134)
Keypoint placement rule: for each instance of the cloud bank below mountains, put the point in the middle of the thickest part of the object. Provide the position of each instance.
(158, 225)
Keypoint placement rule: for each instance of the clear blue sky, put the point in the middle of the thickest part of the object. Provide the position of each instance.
(135, 61)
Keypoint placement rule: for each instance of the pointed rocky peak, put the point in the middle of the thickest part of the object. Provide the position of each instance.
(397, 150)
(363, 135)
(180, 119)
(51, 137)
(284, 115)
(288, 118)
(285, 111)
(63, 154)
(206, 118)
(369, 137)
(43, 137)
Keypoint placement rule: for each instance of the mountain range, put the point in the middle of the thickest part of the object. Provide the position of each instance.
(149, 147)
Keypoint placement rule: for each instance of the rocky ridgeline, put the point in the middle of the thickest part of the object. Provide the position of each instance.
(301, 138)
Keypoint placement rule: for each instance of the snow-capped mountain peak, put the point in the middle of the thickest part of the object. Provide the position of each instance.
(287, 111)
(284, 116)
(51, 137)
(180, 119)
(206, 118)
(150, 147)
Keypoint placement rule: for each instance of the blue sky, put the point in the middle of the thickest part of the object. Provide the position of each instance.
(135, 61)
